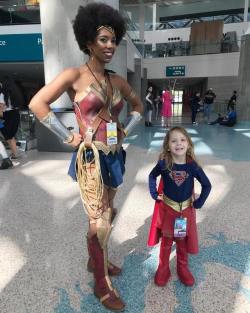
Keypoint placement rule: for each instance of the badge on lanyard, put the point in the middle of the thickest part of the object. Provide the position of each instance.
(111, 134)
(180, 227)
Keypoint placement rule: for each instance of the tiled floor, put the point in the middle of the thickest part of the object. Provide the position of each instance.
(43, 227)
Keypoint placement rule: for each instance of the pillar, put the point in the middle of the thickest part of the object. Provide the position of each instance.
(243, 103)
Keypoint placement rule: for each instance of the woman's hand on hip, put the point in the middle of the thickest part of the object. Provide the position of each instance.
(77, 139)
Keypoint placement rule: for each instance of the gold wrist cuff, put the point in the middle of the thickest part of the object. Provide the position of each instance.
(69, 139)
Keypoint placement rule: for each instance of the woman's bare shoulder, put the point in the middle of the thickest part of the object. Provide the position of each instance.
(71, 74)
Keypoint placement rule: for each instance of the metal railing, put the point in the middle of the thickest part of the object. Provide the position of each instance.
(185, 48)
(19, 14)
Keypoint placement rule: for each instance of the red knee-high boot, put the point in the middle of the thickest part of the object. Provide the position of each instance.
(183, 272)
(163, 274)
(113, 270)
(103, 289)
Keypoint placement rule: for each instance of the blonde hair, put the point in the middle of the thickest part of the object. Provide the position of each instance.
(166, 154)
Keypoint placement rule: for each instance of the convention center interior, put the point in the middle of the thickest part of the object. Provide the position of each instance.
(124, 138)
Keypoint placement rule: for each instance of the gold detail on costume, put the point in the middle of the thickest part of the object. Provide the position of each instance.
(117, 96)
(104, 227)
(176, 205)
(90, 181)
(107, 27)
(105, 297)
(98, 91)
(131, 95)
(106, 149)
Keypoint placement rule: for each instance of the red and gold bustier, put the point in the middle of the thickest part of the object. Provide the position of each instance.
(90, 105)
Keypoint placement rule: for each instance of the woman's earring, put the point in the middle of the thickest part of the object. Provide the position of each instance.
(91, 53)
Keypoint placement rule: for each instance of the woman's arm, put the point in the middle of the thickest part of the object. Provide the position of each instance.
(40, 105)
(148, 99)
(129, 94)
(2, 104)
(133, 99)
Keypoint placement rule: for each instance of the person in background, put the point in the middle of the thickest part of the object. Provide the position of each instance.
(10, 115)
(174, 217)
(6, 162)
(229, 119)
(166, 110)
(208, 103)
(158, 104)
(149, 99)
(195, 104)
(97, 97)
(232, 102)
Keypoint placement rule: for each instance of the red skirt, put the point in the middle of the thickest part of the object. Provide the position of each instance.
(163, 224)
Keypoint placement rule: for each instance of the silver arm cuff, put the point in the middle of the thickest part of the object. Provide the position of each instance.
(132, 121)
(52, 122)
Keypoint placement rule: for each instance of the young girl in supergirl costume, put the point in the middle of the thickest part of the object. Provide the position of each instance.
(174, 214)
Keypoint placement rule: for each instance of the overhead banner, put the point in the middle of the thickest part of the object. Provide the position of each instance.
(176, 70)
(21, 48)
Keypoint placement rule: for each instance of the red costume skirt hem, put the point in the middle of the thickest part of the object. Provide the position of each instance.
(163, 225)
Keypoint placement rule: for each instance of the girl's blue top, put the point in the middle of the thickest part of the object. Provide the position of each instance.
(178, 183)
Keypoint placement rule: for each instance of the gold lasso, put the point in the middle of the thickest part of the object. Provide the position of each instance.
(90, 181)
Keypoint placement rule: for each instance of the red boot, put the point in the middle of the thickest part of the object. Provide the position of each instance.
(163, 274)
(103, 289)
(113, 270)
(183, 272)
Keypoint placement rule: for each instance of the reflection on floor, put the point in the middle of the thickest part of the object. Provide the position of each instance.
(43, 226)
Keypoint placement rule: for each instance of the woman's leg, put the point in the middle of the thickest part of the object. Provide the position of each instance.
(167, 121)
(163, 121)
(193, 116)
(150, 117)
(98, 236)
(156, 111)
(6, 162)
(13, 147)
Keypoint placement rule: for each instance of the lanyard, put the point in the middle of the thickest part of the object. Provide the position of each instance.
(105, 91)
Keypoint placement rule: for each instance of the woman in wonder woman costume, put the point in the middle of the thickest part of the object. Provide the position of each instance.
(97, 96)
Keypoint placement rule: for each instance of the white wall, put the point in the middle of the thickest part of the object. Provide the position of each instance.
(20, 29)
(209, 65)
(161, 36)
(132, 54)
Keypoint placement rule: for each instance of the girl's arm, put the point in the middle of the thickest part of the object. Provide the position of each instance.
(205, 187)
(156, 171)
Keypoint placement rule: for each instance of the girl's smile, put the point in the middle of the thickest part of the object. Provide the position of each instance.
(178, 146)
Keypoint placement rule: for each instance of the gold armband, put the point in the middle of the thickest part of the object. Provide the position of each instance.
(69, 139)
(131, 95)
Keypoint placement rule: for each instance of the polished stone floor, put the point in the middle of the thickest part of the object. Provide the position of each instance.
(43, 227)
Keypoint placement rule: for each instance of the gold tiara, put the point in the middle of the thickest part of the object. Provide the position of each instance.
(108, 28)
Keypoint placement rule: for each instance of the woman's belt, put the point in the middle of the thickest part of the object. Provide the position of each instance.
(177, 206)
(107, 149)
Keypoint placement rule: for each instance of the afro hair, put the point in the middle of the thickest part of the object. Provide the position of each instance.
(92, 16)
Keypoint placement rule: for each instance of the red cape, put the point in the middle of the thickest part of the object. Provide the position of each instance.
(154, 232)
